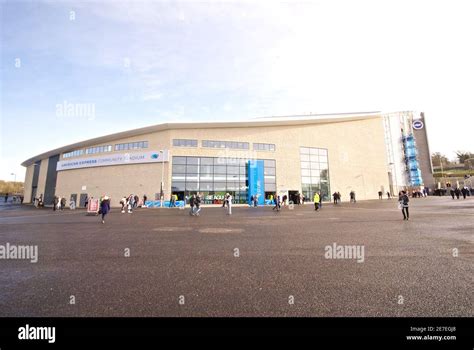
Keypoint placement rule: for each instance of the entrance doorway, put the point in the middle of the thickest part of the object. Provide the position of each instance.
(294, 196)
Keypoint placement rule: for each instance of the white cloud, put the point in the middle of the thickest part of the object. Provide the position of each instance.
(156, 96)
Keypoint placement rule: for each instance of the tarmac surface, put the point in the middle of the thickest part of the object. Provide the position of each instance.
(255, 262)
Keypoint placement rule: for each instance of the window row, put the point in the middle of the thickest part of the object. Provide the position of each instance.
(263, 147)
(225, 144)
(185, 143)
(99, 149)
(131, 145)
(219, 161)
(76, 153)
(208, 169)
(208, 186)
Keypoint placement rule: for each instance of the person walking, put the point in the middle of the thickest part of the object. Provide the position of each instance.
(229, 204)
(104, 207)
(197, 203)
(224, 201)
(277, 203)
(389, 196)
(380, 194)
(316, 200)
(403, 200)
(63, 203)
(464, 192)
(55, 203)
(352, 196)
(130, 204)
(191, 204)
(457, 192)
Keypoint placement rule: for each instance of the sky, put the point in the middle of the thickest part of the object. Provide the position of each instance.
(126, 64)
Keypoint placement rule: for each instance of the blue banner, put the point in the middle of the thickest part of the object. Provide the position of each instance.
(256, 181)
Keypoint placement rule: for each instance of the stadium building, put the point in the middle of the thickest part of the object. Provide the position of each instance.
(361, 152)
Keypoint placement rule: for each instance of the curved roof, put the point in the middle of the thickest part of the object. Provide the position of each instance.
(257, 122)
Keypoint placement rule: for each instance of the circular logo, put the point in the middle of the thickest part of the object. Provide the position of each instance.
(417, 125)
(154, 156)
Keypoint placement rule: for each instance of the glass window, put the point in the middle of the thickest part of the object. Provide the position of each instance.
(269, 171)
(220, 186)
(304, 150)
(206, 186)
(305, 172)
(184, 143)
(219, 169)
(269, 163)
(314, 172)
(179, 160)
(305, 165)
(206, 177)
(192, 169)
(270, 180)
(232, 186)
(178, 186)
(206, 169)
(192, 160)
(131, 145)
(179, 169)
(305, 157)
(178, 177)
(220, 177)
(270, 187)
(191, 186)
(207, 161)
(232, 170)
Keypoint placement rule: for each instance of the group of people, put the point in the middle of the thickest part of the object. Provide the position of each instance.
(59, 203)
(456, 192)
(195, 204)
(227, 202)
(15, 199)
(336, 197)
(131, 202)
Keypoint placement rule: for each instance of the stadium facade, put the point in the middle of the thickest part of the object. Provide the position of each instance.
(362, 152)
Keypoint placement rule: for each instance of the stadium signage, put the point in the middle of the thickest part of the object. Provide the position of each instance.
(113, 159)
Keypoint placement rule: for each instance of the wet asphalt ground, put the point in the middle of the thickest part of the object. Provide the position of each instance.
(256, 262)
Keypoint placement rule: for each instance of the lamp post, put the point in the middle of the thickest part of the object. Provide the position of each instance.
(14, 175)
(162, 175)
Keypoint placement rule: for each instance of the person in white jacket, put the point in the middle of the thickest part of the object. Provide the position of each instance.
(229, 204)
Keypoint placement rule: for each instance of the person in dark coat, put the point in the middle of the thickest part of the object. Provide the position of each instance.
(104, 207)
(55, 203)
(192, 202)
(403, 199)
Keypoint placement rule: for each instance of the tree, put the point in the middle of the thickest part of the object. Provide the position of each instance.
(463, 156)
(437, 159)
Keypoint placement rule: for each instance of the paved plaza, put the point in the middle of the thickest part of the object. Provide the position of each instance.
(256, 262)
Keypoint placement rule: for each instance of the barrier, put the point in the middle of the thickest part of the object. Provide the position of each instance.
(93, 207)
